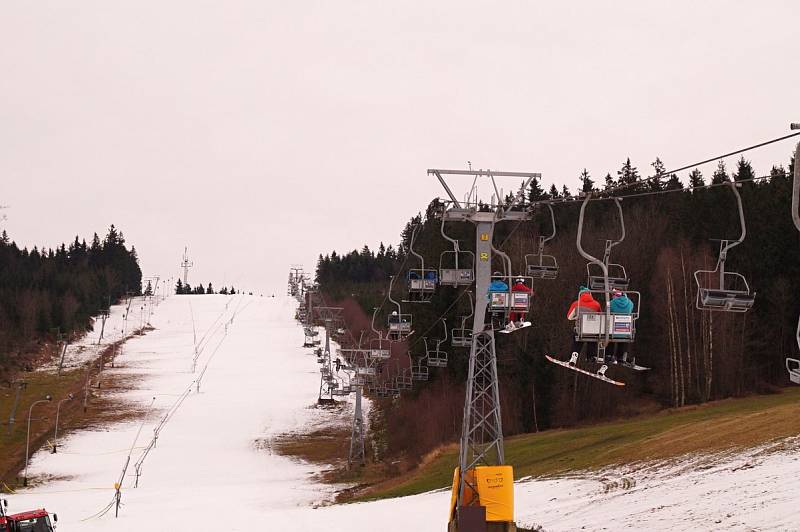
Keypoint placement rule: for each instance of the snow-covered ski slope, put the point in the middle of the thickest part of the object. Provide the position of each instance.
(207, 471)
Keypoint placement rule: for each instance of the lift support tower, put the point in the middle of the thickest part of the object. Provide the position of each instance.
(482, 431)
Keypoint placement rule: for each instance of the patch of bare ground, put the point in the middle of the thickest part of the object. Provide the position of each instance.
(97, 403)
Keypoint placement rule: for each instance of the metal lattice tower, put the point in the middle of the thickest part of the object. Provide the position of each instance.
(358, 360)
(329, 315)
(482, 429)
(186, 264)
(357, 452)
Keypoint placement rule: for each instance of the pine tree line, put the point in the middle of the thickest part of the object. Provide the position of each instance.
(186, 289)
(695, 357)
(60, 289)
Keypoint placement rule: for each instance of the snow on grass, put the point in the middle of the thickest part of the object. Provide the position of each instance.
(208, 471)
(117, 327)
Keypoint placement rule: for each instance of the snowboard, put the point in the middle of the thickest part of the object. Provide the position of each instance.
(516, 328)
(585, 372)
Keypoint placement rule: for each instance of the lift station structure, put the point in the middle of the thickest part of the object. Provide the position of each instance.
(481, 446)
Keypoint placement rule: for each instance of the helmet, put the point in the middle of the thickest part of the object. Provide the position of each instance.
(394, 313)
(520, 280)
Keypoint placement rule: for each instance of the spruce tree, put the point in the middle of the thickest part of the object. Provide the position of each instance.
(673, 183)
(179, 287)
(720, 174)
(210, 289)
(659, 173)
(628, 175)
(587, 185)
(744, 171)
(696, 179)
(535, 191)
(610, 183)
(777, 172)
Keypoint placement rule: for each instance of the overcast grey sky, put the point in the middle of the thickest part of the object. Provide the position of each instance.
(261, 133)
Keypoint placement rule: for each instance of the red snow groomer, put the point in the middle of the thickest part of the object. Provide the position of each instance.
(30, 521)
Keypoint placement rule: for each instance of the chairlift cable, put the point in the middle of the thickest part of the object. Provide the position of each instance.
(712, 159)
(603, 197)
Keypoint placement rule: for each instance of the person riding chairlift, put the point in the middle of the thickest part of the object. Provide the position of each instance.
(518, 316)
(585, 301)
(620, 304)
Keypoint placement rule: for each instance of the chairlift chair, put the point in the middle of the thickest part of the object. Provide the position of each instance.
(404, 379)
(456, 267)
(591, 326)
(793, 367)
(399, 323)
(793, 364)
(540, 265)
(421, 281)
(508, 301)
(419, 371)
(462, 336)
(399, 326)
(436, 358)
(605, 327)
(720, 290)
(365, 370)
(617, 276)
(379, 349)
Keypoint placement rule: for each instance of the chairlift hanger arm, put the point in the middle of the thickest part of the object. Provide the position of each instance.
(545, 239)
(411, 246)
(733, 243)
(618, 203)
(796, 185)
(452, 240)
(594, 260)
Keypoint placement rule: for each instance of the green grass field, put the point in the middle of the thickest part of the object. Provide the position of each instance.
(719, 426)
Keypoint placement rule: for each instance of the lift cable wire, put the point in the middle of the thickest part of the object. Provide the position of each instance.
(686, 167)
(603, 193)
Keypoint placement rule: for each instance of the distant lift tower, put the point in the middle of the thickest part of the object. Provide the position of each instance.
(481, 446)
(327, 382)
(296, 278)
(186, 264)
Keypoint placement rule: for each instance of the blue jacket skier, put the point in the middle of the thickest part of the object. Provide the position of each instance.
(620, 303)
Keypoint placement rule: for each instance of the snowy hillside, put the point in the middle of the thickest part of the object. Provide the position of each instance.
(259, 382)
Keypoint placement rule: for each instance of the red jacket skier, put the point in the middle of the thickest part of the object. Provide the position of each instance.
(585, 300)
(520, 286)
